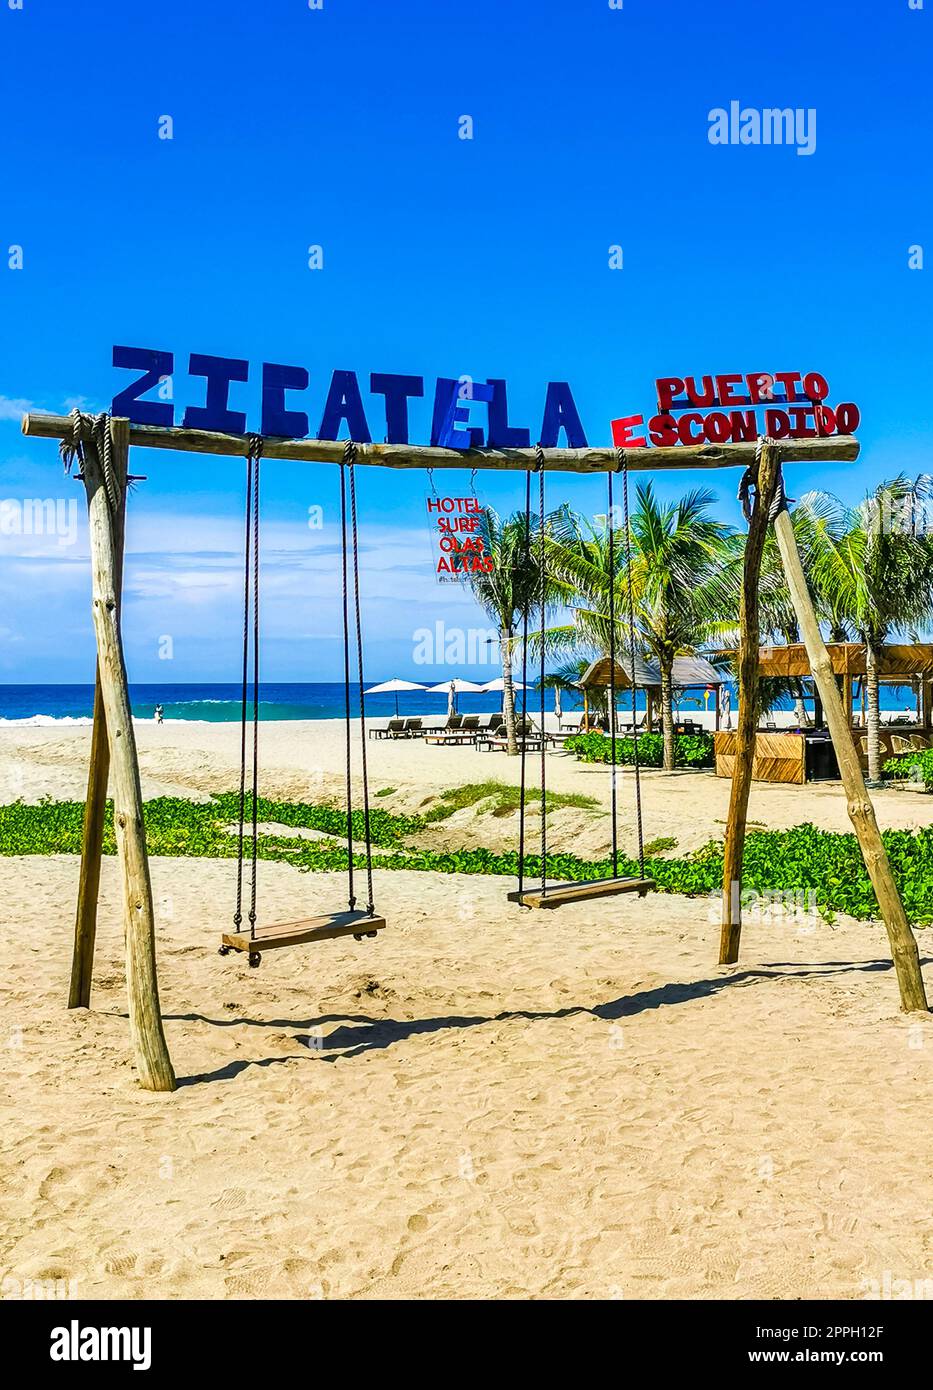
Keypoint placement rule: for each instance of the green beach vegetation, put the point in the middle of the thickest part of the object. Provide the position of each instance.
(805, 863)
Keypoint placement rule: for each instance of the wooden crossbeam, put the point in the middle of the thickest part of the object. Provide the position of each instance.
(304, 932)
(562, 893)
(841, 448)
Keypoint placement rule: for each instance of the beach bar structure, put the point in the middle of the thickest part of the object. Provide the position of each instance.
(797, 755)
(689, 673)
(104, 444)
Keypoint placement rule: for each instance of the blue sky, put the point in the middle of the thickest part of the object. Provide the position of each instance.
(339, 127)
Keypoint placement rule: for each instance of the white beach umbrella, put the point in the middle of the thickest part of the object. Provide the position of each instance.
(392, 688)
(455, 687)
(498, 686)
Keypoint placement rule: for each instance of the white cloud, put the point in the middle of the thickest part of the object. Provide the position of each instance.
(12, 408)
(184, 577)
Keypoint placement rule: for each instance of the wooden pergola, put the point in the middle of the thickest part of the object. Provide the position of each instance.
(689, 672)
(909, 663)
(105, 446)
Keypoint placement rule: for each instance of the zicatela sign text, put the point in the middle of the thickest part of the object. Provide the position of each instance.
(468, 414)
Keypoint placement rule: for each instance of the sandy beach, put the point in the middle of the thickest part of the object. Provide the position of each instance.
(483, 1102)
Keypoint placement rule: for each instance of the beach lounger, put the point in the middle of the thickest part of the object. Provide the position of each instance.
(413, 728)
(395, 729)
(559, 739)
(450, 736)
(493, 743)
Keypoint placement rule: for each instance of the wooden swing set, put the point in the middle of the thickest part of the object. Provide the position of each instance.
(102, 444)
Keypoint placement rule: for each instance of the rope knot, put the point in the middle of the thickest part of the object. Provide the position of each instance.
(93, 430)
(349, 452)
(748, 485)
(254, 446)
(539, 459)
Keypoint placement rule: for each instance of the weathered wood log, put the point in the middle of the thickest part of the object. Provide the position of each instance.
(835, 448)
(861, 811)
(82, 961)
(747, 719)
(149, 1047)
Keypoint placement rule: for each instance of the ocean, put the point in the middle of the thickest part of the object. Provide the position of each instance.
(220, 704)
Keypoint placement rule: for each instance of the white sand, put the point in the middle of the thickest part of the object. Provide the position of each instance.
(494, 1103)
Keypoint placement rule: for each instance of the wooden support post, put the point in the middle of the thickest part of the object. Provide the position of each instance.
(82, 961)
(747, 717)
(149, 1047)
(861, 811)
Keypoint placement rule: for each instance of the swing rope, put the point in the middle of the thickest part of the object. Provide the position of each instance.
(525, 607)
(623, 467)
(256, 446)
(349, 458)
(347, 453)
(614, 813)
(250, 608)
(539, 457)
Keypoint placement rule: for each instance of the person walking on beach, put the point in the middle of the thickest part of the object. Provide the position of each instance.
(159, 714)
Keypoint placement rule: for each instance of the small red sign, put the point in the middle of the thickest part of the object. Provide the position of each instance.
(458, 545)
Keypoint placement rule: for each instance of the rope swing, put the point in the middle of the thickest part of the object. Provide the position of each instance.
(557, 894)
(356, 922)
(250, 610)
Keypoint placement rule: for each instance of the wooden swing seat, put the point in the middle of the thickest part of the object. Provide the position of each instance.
(305, 932)
(563, 893)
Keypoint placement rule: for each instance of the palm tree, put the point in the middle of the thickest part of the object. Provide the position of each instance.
(683, 583)
(873, 565)
(507, 593)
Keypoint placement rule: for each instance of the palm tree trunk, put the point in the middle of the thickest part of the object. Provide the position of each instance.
(508, 690)
(667, 711)
(800, 709)
(873, 713)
